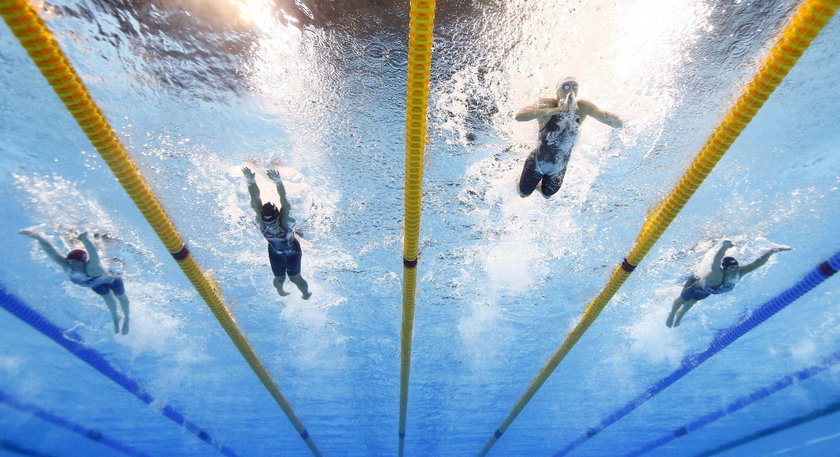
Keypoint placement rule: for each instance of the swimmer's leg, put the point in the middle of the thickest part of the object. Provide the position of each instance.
(530, 176)
(118, 288)
(293, 265)
(278, 267)
(302, 285)
(278, 284)
(124, 305)
(684, 309)
(688, 294)
(111, 303)
(551, 184)
(674, 308)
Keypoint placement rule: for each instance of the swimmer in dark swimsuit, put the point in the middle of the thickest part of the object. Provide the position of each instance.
(284, 251)
(85, 269)
(559, 120)
(722, 278)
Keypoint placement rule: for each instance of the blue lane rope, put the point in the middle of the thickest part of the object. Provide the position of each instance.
(740, 403)
(23, 312)
(91, 434)
(723, 339)
(772, 430)
(10, 446)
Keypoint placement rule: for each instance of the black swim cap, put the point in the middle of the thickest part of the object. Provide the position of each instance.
(728, 262)
(269, 212)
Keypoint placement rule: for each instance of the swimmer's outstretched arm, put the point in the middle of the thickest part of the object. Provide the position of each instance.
(587, 108)
(542, 109)
(93, 267)
(47, 247)
(285, 207)
(253, 190)
(761, 260)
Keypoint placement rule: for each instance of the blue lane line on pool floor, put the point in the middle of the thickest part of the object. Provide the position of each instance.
(723, 339)
(741, 403)
(88, 433)
(19, 309)
(773, 429)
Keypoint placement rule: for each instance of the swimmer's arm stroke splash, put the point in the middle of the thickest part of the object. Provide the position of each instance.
(46, 246)
(587, 108)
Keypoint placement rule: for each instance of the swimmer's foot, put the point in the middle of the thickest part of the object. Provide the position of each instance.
(306, 295)
(283, 293)
(125, 327)
(519, 189)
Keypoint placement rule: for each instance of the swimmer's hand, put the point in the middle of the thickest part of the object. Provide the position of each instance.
(249, 175)
(83, 236)
(30, 234)
(780, 248)
(727, 244)
(274, 175)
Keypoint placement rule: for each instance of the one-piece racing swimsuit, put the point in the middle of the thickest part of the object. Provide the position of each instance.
(100, 284)
(283, 251)
(697, 289)
(548, 161)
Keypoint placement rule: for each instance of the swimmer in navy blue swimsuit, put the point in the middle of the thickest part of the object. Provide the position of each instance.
(276, 226)
(85, 269)
(722, 278)
(559, 119)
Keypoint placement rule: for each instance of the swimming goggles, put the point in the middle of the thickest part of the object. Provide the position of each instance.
(567, 86)
(271, 219)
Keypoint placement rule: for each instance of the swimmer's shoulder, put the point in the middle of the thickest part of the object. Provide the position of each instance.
(546, 103)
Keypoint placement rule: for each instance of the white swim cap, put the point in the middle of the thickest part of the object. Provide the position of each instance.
(565, 80)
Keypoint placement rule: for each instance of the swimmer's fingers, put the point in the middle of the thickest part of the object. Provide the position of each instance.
(29, 233)
(274, 175)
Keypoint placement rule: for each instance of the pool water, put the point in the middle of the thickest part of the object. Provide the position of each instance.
(196, 90)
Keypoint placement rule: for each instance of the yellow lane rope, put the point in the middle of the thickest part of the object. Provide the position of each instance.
(419, 64)
(45, 52)
(805, 25)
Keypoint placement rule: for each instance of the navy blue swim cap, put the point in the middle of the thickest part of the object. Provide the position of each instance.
(728, 262)
(269, 212)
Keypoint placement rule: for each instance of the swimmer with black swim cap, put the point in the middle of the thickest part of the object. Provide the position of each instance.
(284, 252)
(559, 119)
(725, 273)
